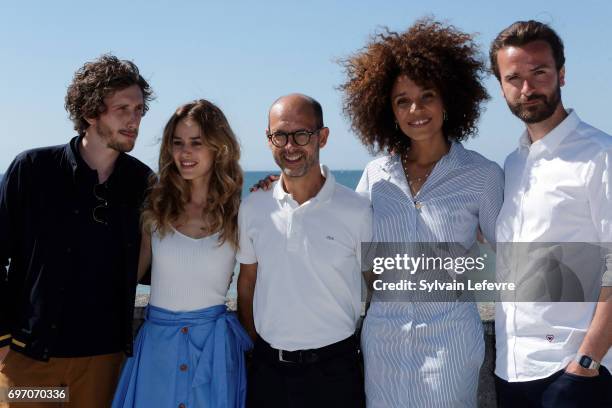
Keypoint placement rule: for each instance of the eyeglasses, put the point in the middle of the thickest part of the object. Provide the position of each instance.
(100, 212)
(300, 137)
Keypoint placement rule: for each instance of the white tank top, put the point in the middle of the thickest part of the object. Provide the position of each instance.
(189, 274)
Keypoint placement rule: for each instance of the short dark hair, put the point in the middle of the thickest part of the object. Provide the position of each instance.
(317, 110)
(96, 80)
(525, 32)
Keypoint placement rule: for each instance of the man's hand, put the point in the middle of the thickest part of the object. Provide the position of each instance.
(576, 369)
(598, 339)
(264, 184)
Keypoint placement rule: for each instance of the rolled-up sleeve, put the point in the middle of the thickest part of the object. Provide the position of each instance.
(599, 190)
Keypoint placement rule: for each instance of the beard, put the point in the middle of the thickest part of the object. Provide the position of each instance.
(308, 161)
(539, 112)
(112, 139)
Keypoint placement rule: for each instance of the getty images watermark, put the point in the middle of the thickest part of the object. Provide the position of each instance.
(450, 272)
(414, 264)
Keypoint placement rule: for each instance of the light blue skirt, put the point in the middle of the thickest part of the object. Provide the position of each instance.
(194, 358)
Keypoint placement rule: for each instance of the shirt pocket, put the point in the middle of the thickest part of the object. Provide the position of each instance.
(558, 342)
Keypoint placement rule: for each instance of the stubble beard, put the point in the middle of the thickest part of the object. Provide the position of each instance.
(537, 113)
(112, 139)
(309, 162)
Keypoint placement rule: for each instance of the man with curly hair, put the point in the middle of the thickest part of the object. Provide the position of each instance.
(69, 240)
(558, 189)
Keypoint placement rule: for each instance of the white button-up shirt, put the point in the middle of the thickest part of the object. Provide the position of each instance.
(308, 288)
(558, 189)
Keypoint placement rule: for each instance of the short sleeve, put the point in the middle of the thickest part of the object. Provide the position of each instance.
(365, 240)
(363, 187)
(246, 251)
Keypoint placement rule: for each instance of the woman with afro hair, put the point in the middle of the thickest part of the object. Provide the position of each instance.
(415, 96)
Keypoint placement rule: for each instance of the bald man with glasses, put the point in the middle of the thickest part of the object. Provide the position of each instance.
(299, 289)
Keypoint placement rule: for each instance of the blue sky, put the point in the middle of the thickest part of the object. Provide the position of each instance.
(243, 55)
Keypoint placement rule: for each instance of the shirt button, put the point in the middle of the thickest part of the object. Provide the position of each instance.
(183, 367)
(184, 330)
(54, 326)
(418, 205)
(76, 212)
(68, 250)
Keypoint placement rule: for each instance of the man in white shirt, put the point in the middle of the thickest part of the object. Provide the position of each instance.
(299, 289)
(558, 189)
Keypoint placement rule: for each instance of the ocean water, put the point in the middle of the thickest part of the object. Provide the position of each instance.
(349, 178)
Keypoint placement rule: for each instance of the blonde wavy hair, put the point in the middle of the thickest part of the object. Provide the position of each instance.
(169, 195)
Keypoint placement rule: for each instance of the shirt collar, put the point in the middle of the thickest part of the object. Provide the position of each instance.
(77, 164)
(450, 159)
(553, 139)
(72, 153)
(323, 195)
(80, 169)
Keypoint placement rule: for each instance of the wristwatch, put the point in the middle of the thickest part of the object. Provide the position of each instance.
(587, 362)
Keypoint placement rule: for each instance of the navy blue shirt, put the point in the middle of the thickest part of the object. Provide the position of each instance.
(73, 248)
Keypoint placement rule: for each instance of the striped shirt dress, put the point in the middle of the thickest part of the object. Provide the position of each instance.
(428, 354)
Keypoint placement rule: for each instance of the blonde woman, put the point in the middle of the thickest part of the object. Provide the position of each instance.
(190, 350)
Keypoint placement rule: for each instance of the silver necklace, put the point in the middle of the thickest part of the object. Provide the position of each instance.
(416, 180)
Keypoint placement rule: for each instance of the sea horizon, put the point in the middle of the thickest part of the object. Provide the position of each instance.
(263, 173)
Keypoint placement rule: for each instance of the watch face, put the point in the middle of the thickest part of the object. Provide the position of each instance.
(585, 361)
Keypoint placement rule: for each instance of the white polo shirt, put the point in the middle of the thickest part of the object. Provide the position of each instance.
(558, 189)
(308, 289)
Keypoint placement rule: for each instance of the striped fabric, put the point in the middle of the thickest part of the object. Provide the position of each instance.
(426, 354)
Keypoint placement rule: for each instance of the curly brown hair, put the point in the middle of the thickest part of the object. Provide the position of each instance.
(96, 80)
(167, 199)
(432, 55)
